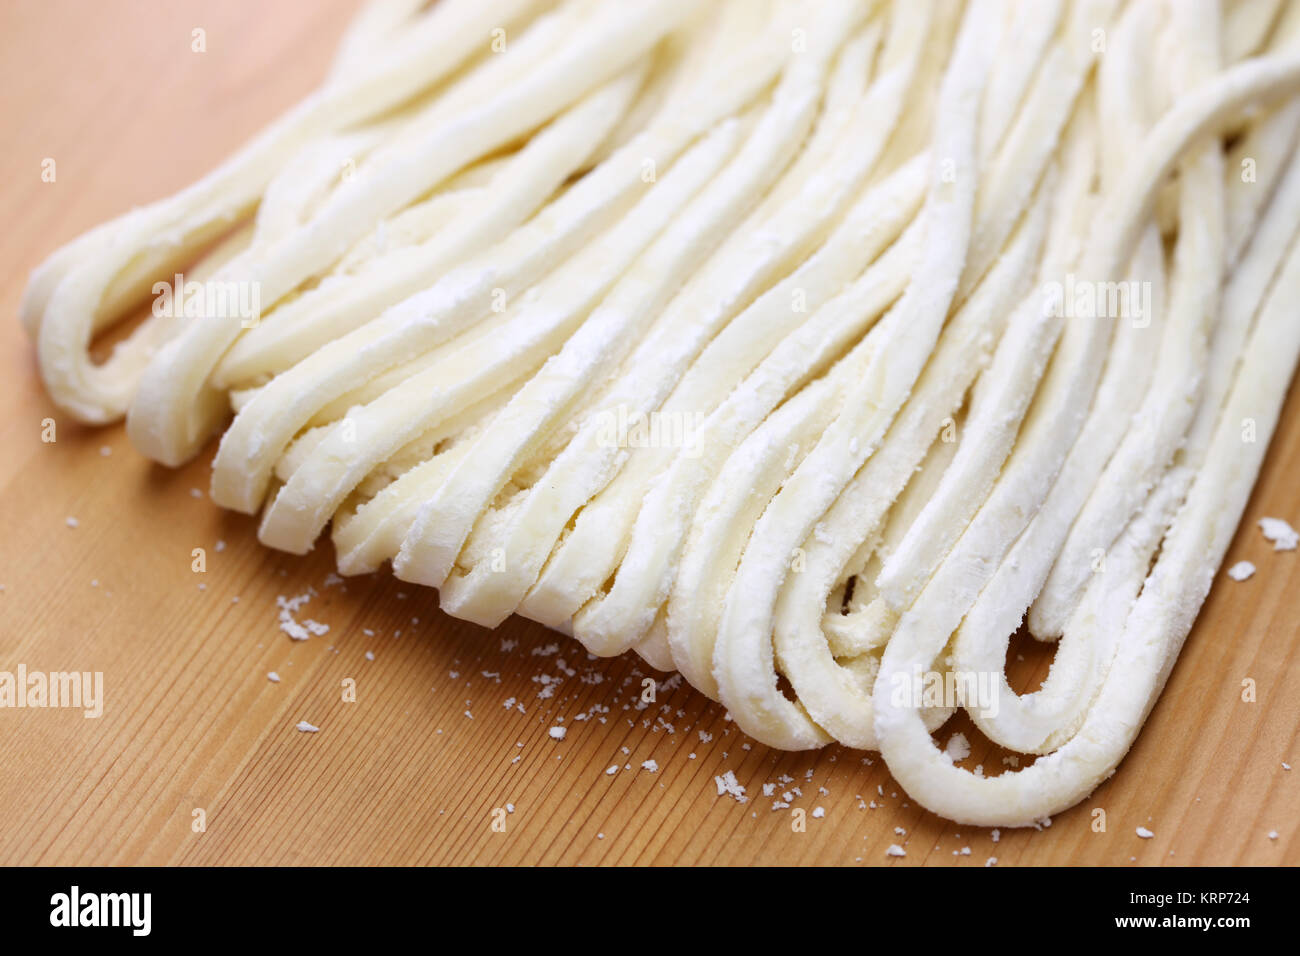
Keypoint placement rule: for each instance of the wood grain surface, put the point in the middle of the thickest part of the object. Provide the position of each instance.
(413, 770)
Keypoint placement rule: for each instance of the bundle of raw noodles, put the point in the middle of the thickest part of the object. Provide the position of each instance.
(802, 347)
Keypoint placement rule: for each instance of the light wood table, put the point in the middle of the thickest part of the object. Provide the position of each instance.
(114, 94)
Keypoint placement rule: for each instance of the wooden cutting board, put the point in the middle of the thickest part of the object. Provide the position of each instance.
(196, 759)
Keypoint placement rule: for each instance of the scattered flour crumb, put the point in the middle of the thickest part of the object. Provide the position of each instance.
(71, 522)
(1144, 833)
(895, 850)
(306, 728)
(818, 812)
(728, 784)
(650, 765)
(1283, 536)
(298, 630)
(958, 748)
(273, 677)
(557, 732)
(1241, 570)
(611, 770)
